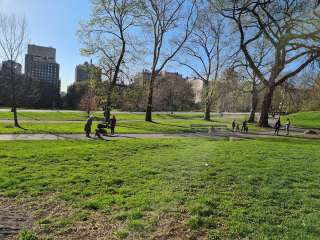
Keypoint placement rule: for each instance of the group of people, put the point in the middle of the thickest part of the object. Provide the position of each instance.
(277, 126)
(236, 126)
(101, 127)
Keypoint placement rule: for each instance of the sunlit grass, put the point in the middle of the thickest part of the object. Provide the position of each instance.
(257, 189)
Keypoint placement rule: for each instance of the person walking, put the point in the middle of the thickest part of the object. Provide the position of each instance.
(113, 123)
(277, 126)
(288, 123)
(233, 125)
(244, 127)
(87, 127)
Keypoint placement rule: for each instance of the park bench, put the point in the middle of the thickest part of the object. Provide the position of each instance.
(212, 128)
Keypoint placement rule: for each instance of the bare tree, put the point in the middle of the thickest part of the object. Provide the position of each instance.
(107, 35)
(12, 43)
(88, 101)
(289, 26)
(207, 53)
(170, 23)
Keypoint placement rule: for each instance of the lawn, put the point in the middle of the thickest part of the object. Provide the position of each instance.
(174, 188)
(173, 126)
(35, 122)
(306, 119)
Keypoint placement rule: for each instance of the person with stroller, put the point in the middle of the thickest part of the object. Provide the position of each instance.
(101, 130)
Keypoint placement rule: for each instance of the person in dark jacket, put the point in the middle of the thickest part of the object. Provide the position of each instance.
(113, 122)
(233, 125)
(277, 126)
(244, 127)
(87, 127)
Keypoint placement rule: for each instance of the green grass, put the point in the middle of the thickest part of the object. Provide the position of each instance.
(163, 126)
(127, 122)
(257, 189)
(306, 119)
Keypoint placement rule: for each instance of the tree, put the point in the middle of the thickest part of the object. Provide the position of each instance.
(290, 27)
(251, 83)
(88, 103)
(173, 93)
(106, 35)
(12, 42)
(27, 92)
(169, 23)
(207, 52)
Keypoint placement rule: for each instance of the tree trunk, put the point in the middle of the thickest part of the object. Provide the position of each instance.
(207, 105)
(107, 114)
(114, 81)
(13, 96)
(266, 104)
(254, 103)
(15, 116)
(207, 111)
(150, 98)
(149, 106)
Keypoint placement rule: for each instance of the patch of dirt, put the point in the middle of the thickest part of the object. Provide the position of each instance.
(17, 215)
(13, 218)
(171, 228)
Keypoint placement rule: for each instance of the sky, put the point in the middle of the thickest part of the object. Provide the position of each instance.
(54, 23)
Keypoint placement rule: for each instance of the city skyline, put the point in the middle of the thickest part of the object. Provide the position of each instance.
(53, 24)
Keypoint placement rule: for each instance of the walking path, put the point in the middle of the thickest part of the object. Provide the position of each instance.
(218, 134)
(40, 136)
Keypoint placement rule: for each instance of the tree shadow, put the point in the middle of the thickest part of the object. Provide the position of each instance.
(19, 126)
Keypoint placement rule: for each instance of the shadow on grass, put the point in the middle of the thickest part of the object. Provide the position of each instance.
(19, 126)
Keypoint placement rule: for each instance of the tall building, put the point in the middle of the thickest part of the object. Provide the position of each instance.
(41, 65)
(197, 87)
(87, 71)
(142, 78)
(6, 67)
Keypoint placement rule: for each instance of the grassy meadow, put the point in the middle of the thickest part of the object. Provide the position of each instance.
(35, 122)
(170, 188)
(306, 119)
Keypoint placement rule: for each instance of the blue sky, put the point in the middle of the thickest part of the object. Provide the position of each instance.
(53, 23)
